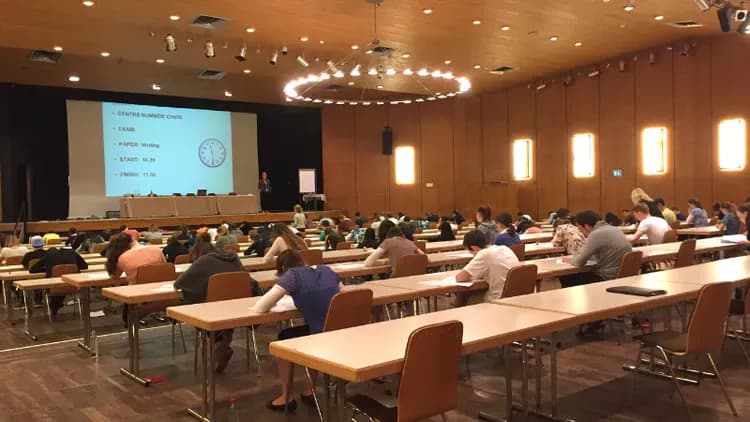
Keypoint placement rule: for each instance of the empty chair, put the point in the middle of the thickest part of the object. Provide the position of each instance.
(54, 241)
(429, 384)
(59, 271)
(343, 246)
(415, 264)
(676, 225)
(154, 273)
(99, 247)
(670, 236)
(685, 254)
(14, 260)
(418, 230)
(157, 241)
(630, 264)
(422, 245)
(520, 250)
(520, 280)
(432, 225)
(705, 333)
(312, 256)
(182, 259)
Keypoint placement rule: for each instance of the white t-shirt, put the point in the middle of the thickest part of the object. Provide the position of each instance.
(491, 265)
(7, 252)
(654, 228)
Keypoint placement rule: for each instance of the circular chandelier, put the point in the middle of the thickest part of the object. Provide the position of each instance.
(302, 88)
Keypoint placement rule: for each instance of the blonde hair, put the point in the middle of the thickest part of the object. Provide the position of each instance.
(638, 195)
(298, 208)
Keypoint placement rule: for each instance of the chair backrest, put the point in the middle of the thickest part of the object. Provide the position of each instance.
(707, 324)
(62, 269)
(33, 262)
(421, 244)
(713, 221)
(99, 247)
(232, 247)
(407, 265)
(520, 250)
(343, 246)
(418, 230)
(429, 380)
(243, 239)
(348, 309)
(685, 254)
(226, 286)
(182, 259)
(520, 280)
(156, 241)
(676, 225)
(432, 225)
(312, 256)
(308, 242)
(14, 260)
(630, 264)
(54, 241)
(670, 236)
(153, 273)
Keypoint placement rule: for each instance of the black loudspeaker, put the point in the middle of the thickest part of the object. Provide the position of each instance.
(725, 18)
(387, 140)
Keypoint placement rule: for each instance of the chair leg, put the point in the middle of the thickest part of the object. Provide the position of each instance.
(173, 324)
(195, 356)
(247, 348)
(637, 369)
(314, 394)
(46, 302)
(721, 383)
(182, 337)
(255, 350)
(742, 346)
(668, 364)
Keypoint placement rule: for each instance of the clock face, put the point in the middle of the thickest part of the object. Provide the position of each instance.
(212, 152)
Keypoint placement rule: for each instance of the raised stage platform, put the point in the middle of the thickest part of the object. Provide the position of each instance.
(62, 226)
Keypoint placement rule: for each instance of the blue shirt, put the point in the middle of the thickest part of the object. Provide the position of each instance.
(507, 239)
(312, 290)
(731, 224)
(700, 218)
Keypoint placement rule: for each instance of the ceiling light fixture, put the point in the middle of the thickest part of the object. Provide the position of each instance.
(476, 66)
(405, 55)
(356, 70)
(88, 3)
(629, 5)
(332, 67)
(304, 38)
(57, 48)
(427, 11)
(578, 44)
(243, 54)
(704, 5)
(380, 87)
(74, 78)
(174, 18)
(390, 72)
(246, 71)
(227, 93)
(156, 87)
(274, 58)
(250, 29)
(476, 22)
(160, 61)
(321, 42)
(554, 38)
(658, 18)
(301, 60)
(170, 43)
(350, 83)
(408, 72)
(505, 28)
(447, 62)
(104, 54)
(338, 74)
(355, 47)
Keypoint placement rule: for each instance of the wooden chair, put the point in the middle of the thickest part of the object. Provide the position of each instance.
(155, 273)
(14, 260)
(429, 385)
(33, 262)
(344, 246)
(157, 241)
(520, 280)
(59, 271)
(630, 264)
(233, 247)
(243, 239)
(54, 241)
(676, 225)
(422, 245)
(705, 333)
(741, 308)
(408, 265)
(520, 250)
(99, 247)
(432, 225)
(670, 236)
(685, 254)
(308, 242)
(182, 259)
(312, 256)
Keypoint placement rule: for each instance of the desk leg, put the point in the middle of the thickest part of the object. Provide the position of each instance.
(204, 381)
(26, 321)
(538, 358)
(508, 390)
(9, 307)
(6, 297)
(133, 372)
(85, 342)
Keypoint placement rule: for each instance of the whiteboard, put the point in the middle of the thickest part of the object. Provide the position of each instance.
(307, 181)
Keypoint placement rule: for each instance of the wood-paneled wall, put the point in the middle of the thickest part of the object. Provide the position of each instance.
(463, 146)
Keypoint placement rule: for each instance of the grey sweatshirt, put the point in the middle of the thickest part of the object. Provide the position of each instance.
(606, 245)
(194, 281)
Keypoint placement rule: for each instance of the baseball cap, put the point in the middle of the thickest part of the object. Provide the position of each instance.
(36, 241)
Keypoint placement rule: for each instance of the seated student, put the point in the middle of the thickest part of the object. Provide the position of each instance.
(355, 235)
(72, 239)
(376, 220)
(677, 213)
(567, 234)
(312, 290)
(359, 219)
(613, 220)
(174, 248)
(324, 224)
(326, 221)
(193, 285)
(489, 264)
(446, 232)
(333, 238)
(394, 248)
(47, 263)
(223, 233)
(260, 242)
(283, 239)
(742, 215)
(506, 232)
(401, 217)
(457, 217)
(125, 255)
(604, 243)
(668, 214)
(524, 223)
(153, 233)
(38, 252)
(391, 218)
(368, 240)
(235, 231)
(730, 223)
(345, 224)
(628, 219)
(183, 233)
(653, 227)
(696, 214)
(50, 236)
(485, 225)
(407, 230)
(717, 212)
(10, 246)
(202, 246)
(298, 221)
(383, 229)
(414, 225)
(638, 195)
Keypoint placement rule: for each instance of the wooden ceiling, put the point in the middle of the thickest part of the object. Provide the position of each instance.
(133, 33)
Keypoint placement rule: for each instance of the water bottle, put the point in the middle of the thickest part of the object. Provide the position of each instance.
(234, 413)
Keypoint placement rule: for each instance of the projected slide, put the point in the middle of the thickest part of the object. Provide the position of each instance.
(165, 150)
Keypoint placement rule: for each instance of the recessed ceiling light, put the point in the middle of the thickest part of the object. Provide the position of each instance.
(104, 54)
(447, 62)
(658, 18)
(505, 28)
(476, 66)
(405, 55)
(629, 8)
(304, 38)
(57, 48)
(74, 78)
(160, 61)
(380, 86)
(156, 87)
(553, 38)
(578, 44)
(476, 22)
(174, 18)
(355, 47)
(427, 11)
(322, 42)
(250, 29)
(246, 71)
(88, 3)
(408, 72)
(227, 93)
(350, 83)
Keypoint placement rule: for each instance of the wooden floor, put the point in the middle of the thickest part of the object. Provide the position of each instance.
(59, 382)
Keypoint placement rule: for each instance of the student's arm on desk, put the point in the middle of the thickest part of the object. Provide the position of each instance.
(580, 259)
(462, 276)
(372, 260)
(269, 299)
(638, 233)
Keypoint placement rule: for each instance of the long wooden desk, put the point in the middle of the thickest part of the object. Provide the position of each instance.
(329, 257)
(707, 231)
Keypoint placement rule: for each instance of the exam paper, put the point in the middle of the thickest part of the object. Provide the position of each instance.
(450, 281)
